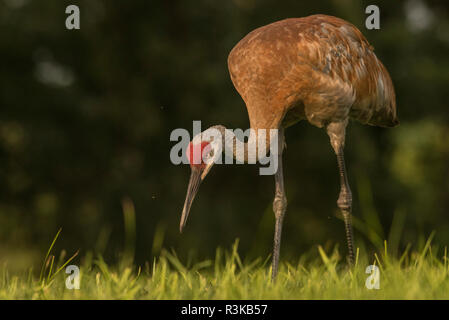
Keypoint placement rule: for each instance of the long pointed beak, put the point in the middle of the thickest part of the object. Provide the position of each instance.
(192, 189)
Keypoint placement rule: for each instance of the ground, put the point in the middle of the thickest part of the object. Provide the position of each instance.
(412, 275)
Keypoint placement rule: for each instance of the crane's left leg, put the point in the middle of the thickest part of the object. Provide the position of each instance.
(336, 132)
(279, 205)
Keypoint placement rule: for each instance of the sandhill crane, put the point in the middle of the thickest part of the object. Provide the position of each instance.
(318, 68)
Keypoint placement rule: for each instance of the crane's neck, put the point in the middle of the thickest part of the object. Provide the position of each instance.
(242, 152)
(259, 143)
(255, 150)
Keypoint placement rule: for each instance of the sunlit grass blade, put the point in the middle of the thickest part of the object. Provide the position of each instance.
(64, 265)
(47, 255)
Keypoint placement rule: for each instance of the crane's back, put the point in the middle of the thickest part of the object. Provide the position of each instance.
(319, 68)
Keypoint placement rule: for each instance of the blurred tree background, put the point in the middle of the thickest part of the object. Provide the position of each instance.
(86, 117)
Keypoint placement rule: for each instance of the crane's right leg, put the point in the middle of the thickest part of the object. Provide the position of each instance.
(279, 206)
(336, 132)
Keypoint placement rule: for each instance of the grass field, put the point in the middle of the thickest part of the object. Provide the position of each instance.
(412, 275)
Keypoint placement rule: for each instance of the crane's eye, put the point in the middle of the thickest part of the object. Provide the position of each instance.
(211, 153)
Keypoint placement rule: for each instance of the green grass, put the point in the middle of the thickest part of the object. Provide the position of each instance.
(412, 275)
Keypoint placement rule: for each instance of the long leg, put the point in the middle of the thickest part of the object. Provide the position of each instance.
(336, 132)
(279, 206)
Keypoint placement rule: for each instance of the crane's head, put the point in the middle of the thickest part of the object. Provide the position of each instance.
(202, 152)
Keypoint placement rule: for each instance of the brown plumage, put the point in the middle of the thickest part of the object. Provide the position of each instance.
(320, 69)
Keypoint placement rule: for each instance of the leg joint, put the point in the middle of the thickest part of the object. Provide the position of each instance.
(344, 201)
(279, 204)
